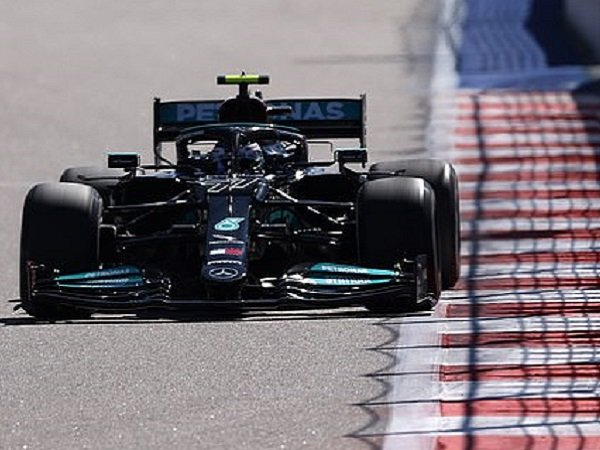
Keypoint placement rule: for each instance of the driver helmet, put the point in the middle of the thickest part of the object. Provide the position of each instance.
(250, 158)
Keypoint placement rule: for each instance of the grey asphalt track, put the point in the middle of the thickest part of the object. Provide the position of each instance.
(77, 78)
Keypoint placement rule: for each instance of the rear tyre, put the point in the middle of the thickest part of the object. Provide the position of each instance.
(396, 219)
(103, 179)
(442, 178)
(60, 229)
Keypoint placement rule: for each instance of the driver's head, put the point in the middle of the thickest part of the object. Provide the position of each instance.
(250, 158)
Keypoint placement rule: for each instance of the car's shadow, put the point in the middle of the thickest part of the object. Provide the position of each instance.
(20, 318)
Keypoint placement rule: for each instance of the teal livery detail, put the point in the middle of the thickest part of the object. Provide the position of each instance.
(112, 278)
(351, 270)
(102, 273)
(346, 281)
(115, 283)
(229, 224)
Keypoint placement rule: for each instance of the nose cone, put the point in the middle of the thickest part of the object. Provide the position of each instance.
(224, 281)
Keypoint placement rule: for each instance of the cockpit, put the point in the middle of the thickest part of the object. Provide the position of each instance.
(240, 148)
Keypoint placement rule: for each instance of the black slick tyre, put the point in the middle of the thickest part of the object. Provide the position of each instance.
(444, 181)
(60, 229)
(395, 218)
(103, 179)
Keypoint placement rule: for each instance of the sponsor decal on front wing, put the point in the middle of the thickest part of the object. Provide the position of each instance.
(345, 281)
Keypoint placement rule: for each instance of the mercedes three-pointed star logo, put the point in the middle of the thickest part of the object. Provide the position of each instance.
(223, 273)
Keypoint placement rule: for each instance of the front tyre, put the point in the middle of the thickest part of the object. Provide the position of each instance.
(441, 176)
(395, 218)
(60, 230)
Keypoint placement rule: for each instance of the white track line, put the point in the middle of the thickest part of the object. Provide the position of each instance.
(535, 224)
(534, 270)
(500, 246)
(521, 355)
(525, 125)
(549, 295)
(516, 186)
(472, 390)
(493, 101)
(530, 426)
(513, 97)
(524, 152)
(511, 150)
(422, 365)
(527, 166)
(416, 370)
(549, 388)
(525, 294)
(482, 109)
(537, 138)
(532, 324)
(527, 204)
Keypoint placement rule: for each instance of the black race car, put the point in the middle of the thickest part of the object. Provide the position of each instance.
(244, 217)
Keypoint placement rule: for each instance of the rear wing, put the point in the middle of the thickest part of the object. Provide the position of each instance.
(318, 118)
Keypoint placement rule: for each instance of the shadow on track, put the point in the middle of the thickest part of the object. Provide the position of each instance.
(158, 316)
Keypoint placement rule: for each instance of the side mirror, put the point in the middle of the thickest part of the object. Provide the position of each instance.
(124, 160)
(350, 155)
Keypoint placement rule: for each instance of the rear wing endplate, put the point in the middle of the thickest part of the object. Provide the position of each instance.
(318, 118)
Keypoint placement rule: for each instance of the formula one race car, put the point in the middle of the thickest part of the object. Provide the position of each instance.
(243, 218)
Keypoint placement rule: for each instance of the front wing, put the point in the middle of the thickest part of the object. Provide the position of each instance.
(321, 285)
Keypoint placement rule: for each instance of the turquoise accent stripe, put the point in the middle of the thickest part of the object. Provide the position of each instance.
(121, 271)
(351, 270)
(346, 281)
(111, 278)
(108, 285)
